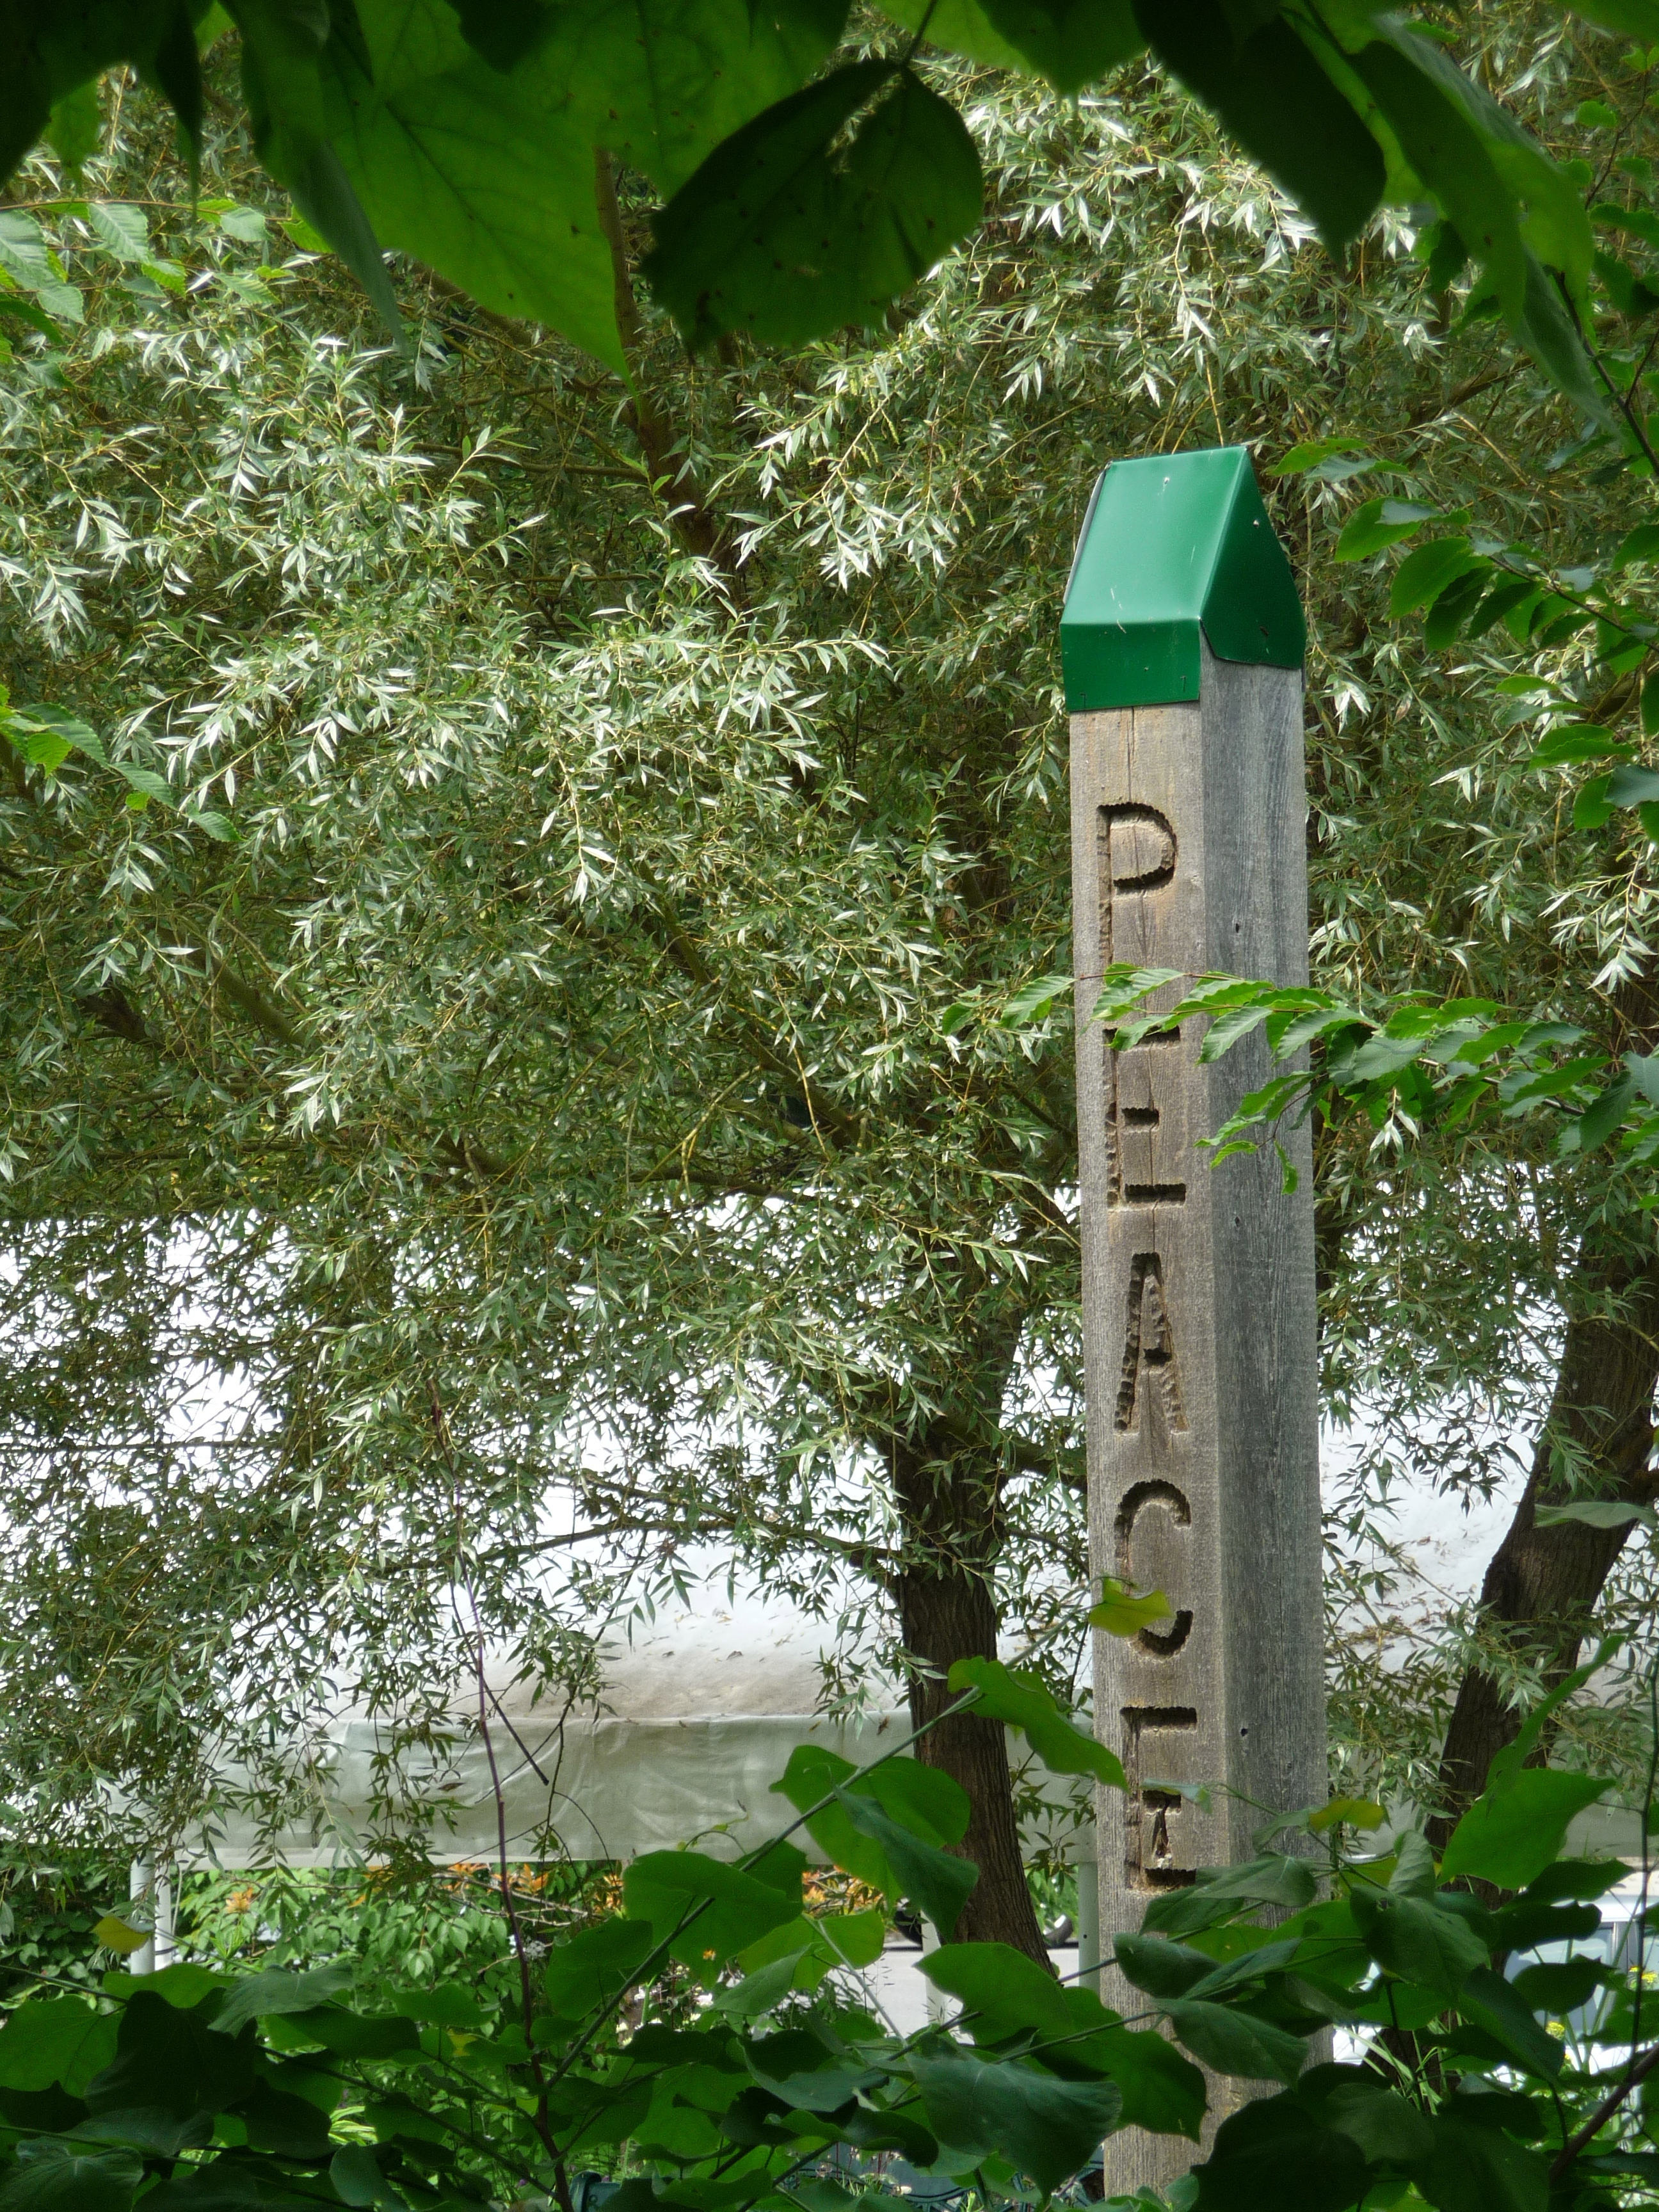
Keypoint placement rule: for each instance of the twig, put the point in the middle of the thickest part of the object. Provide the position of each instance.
(539, 2120)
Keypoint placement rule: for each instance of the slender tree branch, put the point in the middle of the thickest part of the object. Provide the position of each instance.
(699, 529)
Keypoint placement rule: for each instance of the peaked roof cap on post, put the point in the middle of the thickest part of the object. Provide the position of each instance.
(1172, 544)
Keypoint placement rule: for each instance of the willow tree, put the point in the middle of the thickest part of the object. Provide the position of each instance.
(519, 889)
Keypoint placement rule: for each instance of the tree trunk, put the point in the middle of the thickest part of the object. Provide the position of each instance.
(1542, 1584)
(946, 1612)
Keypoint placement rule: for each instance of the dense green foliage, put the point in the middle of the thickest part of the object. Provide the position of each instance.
(465, 132)
(296, 2085)
(541, 1056)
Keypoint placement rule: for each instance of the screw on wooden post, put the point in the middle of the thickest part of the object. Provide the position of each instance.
(1182, 642)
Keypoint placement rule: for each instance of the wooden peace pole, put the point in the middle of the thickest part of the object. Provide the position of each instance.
(1182, 642)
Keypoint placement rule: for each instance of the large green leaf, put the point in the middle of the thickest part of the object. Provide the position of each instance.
(1120, 1612)
(1001, 1989)
(1418, 1941)
(794, 2065)
(1234, 2042)
(174, 2061)
(1581, 1879)
(1270, 91)
(59, 2177)
(921, 1800)
(487, 178)
(1161, 2088)
(930, 1802)
(778, 236)
(355, 2035)
(1518, 1825)
(51, 52)
(1160, 1967)
(278, 1990)
(1276, 2153)
(283, 46)
(594, 1967)
(286, 2125)
(661, 82)
(1045, 2127)
(184, 1984)
(1478, 2169)
(1071, 42)
(729, 1908)
(1636, 19)
(959, 27)
(1450, 156)
(1494, 2004)
(934, 1880)
(1273, 1878)
(52, 2039)
(1023, 1701)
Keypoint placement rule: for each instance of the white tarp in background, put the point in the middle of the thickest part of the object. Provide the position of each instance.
(700, 1711)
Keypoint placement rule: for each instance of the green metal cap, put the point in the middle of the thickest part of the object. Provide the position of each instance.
(1171, 544)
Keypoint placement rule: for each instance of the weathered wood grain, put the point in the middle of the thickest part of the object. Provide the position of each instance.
(1188, 827)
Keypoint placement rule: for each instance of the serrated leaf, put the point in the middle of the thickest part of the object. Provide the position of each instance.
(246, 225)
(120, 229)
(23, 253)
(66, 301)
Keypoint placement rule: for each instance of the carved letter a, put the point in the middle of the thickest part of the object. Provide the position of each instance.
(1149, 1346)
